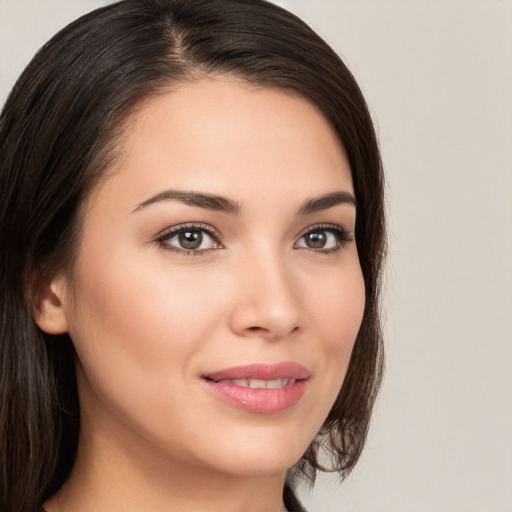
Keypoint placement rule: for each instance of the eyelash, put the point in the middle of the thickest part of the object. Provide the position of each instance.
(176, 230)
(343, 237)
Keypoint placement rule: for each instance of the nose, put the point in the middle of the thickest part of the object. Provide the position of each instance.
(266, 303)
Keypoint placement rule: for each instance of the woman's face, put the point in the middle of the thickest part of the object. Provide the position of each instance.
(217, 290)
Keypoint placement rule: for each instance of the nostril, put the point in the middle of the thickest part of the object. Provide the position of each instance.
(256, 329)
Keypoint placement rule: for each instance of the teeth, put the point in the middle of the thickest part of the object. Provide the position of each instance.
(277, 383)
(259, 383)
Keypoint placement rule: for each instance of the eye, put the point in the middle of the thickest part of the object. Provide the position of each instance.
(189, 239)
(328, 238)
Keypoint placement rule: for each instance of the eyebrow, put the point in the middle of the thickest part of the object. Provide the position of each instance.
(327, 201)
(222, 204)
(201, 200)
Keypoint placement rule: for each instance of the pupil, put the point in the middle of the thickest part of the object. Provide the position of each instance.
(316, 240)
(190, 239)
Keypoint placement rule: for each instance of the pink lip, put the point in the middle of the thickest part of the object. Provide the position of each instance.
(262, 400)
(286, 370)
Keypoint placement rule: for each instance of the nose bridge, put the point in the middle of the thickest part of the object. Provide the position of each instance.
(267, 301)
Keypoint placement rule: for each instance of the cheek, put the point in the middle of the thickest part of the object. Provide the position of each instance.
(138, 340)
(140, 321)
(347, 320)
(337, 311)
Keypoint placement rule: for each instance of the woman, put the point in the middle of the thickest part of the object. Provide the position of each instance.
(189, 307)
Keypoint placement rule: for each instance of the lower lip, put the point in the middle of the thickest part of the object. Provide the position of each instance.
(264, 400)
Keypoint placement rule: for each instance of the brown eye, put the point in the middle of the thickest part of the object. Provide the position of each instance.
(315, 239)
(190, 239)
(329, 238)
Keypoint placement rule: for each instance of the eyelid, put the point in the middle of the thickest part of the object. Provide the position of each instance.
(343, 236)
(196, 226)
(347, 235)
(199, 226)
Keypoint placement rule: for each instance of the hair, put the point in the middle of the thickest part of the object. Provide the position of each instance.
(58, 134)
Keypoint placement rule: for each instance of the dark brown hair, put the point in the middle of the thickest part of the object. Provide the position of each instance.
(58, 133)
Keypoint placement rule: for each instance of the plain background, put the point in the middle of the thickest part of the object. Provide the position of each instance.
(438, 77)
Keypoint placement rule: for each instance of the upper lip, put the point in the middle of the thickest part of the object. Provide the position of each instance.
(284, 370)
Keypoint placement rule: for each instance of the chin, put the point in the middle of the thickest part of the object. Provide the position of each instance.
(248, 456)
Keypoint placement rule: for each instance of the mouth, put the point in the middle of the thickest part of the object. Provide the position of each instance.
(259, 383)
(260, 388)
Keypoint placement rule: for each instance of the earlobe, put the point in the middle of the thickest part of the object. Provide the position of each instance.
(49, 310)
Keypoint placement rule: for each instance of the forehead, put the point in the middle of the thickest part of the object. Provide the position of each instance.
(226, 136)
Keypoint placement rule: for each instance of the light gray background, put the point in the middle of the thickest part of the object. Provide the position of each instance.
(438, 77)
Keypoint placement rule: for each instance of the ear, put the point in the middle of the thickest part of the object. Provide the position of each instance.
(49, 309)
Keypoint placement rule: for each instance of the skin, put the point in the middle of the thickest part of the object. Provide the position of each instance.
(149, 319)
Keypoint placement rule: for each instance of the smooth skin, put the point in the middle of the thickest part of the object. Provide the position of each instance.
(260, 278)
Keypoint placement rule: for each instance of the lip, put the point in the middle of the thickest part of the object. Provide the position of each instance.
(260, 400)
